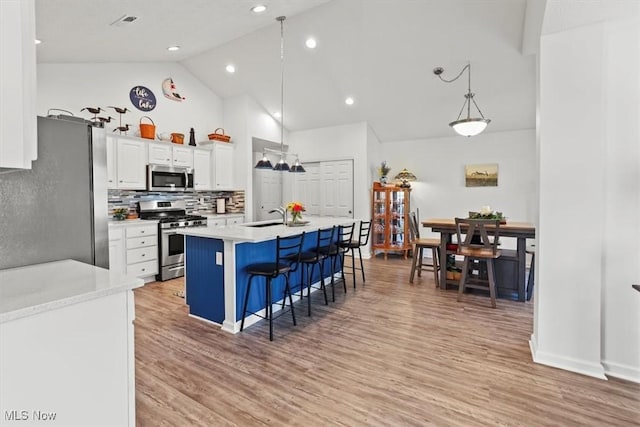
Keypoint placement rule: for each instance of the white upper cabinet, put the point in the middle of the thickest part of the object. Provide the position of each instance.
(183, 156)
(131, 164)
(223, 166)
(18, 118)
(112, 170)
(202, 170)
(160, 153)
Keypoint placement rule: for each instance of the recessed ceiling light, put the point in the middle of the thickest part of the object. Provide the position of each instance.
(173, 48)
(311, 43)
(277, 114)
(38, 41)
(349, 101)
(230, 68)
(258, 8)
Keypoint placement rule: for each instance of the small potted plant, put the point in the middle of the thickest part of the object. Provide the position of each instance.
(119, 214)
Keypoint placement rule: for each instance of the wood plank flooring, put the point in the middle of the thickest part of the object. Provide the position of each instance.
(388, 354)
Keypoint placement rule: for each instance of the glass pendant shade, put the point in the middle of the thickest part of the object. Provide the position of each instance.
(281, 165)
(297, 167)
(264, 163)
(469, 126)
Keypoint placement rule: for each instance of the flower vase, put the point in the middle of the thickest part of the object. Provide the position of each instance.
(296, 217)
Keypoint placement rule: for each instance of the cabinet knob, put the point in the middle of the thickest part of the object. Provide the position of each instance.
(143, 254)
(121, 181)
(142, 232)
(144, 269)
(143, 243)
(168, 160)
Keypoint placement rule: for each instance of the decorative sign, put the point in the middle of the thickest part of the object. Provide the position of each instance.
(485, 175)
(169, 90)
(142, 98)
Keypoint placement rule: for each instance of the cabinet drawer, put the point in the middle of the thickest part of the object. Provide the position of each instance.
(145, 230)
(141, 269)
(216, 222)
(142, 254)
(141, 242)
(238, 220)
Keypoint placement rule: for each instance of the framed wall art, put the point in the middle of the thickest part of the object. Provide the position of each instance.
(481, 175)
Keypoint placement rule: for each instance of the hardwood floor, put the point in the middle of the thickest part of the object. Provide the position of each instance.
(390, 353)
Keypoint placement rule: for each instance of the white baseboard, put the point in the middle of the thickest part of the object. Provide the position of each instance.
(591, 369)
(624, 372)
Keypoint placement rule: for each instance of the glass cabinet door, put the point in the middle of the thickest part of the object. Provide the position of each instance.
(379, 217)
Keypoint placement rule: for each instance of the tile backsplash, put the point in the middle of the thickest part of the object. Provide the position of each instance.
(201, 203)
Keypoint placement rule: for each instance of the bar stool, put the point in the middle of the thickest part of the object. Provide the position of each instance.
(284, 264)
(353, 244)
(531, 249)
(419, 244)
(482, 249)
(316, 257)
(336, 252)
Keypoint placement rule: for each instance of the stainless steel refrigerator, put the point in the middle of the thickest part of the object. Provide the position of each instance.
(58, 210)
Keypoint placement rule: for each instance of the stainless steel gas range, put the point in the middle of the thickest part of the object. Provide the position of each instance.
(171, 216)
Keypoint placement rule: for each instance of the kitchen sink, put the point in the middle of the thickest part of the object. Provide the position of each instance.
(264, 224)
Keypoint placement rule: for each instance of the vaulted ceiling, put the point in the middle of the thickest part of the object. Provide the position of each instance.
(380, 52)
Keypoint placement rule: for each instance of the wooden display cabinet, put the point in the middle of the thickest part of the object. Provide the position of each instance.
(390, 216)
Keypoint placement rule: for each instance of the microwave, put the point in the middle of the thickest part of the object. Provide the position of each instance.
(169, 178)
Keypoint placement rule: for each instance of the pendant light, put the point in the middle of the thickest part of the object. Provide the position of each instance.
(282, 164)
(469, 126)
(264, 163)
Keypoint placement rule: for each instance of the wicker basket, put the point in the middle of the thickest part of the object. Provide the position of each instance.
(219, 136)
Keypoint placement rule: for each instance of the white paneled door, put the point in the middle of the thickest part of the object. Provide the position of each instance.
(268, 195)
(326, 188)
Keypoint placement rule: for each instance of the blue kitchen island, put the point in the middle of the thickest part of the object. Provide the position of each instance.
(216, 261)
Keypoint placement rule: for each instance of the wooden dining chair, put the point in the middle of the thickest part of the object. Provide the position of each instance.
(419, 244)
(478, 246)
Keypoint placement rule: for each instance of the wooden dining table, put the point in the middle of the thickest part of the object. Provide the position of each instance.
(518, 230)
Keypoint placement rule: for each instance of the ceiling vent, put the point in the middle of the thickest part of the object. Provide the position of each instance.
(124, 20)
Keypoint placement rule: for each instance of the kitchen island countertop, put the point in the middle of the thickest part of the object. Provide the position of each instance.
(25, 291)
(247, 233)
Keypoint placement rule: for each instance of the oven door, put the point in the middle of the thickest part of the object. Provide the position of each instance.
(172, 247)
(166, 178)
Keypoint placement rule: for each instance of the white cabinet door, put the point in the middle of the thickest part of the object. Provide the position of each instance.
(160, 153)
(182, 156)
(131, 164)
(202, 170)
(223, 166)
(117, 251)
(112, 167)
(18, 117)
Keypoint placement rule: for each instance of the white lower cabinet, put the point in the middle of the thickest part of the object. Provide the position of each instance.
(235, 220)
(218, 220)
(133, 249)
(117, 254)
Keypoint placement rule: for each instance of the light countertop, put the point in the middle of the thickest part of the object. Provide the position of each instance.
(25, 291)
(242, 233)
(132, 222)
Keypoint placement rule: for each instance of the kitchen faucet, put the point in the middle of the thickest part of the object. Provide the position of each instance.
(282, 211)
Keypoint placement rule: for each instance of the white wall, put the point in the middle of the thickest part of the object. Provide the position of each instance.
(587, 315)
(74, 86)
(244, 120)
(339, 143)
(438, 164)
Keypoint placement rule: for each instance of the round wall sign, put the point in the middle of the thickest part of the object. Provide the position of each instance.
(142, 98)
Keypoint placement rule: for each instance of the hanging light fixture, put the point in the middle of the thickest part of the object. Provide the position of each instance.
(282, 164)
(469, 126)
(297, 167)
(264, 163)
